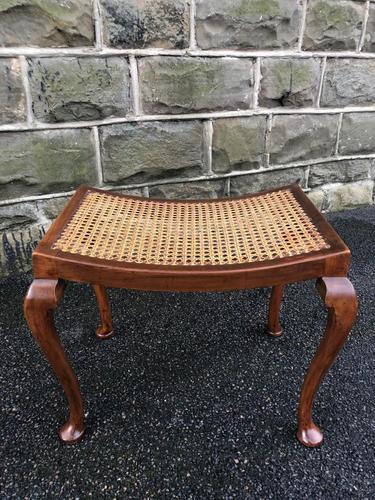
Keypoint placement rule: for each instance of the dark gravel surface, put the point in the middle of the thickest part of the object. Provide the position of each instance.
(191, 399)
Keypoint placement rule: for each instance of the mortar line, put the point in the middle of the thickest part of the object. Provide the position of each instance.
(227, 187)
(257, 77)
(193, 37)
(27, 90)
(98, 24)
(303, 25)
(267, 137)
(98, 157)
(133, 65)
(108, 51)
(321, 81)
(178, 180)
(208, 131)
(369, 172)
(339, 125)
(41, 197)
(37, 126)
(364, 26)
(307, 176)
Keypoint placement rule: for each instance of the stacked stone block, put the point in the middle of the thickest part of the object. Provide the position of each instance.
(181, 98)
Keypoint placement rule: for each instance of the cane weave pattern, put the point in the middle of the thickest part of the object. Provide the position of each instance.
(192, 233)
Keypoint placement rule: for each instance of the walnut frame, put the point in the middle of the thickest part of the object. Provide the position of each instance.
(329, 266)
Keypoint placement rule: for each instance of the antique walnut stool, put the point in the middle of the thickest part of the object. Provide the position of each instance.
(267, 239)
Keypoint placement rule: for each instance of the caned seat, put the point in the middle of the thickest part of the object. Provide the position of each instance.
(266, 239)
(198, 236)
(265, 227)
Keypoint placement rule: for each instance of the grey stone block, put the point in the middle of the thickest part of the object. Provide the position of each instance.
(70, 89)
(253, 183)
(344, 196)
(189, 190)
(349, 82)
(302, 137)
(139, 152)
(52, 207)
(182, 84)
(333, 25)
(317, 196)
(339, 171)
(49, 23)
(289, 82)
(238, 143)
(149, 23)
(12, 98)
(252, 24)
(132, 192)
(18, 216)
(357, 134)
(34, 163)
(22, 226)
(369, 45)
(17, 246)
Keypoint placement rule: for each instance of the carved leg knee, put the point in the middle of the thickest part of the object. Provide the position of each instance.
(105, 330)
(274, 327)
(341, 301)
(42, 298)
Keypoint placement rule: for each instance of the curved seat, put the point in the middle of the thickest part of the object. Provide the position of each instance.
(231, 243)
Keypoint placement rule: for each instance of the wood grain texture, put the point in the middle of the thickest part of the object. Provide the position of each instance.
(41, 300)
(340, 298)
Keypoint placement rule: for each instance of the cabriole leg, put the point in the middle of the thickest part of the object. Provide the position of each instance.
(274, 327)
(41, 300)
(105, 330)
(341, 301)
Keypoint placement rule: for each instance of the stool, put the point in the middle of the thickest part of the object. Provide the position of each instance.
(267, 239)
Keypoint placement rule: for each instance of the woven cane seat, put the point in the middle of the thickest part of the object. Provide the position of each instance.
(112, 227)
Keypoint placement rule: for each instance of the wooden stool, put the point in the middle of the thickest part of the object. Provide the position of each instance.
(267, 239)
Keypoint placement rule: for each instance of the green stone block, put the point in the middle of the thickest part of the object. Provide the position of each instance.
(333, 25)
(357, 134)
(302, 137)
(289, 82)
(238, 143)
(189, 190)
(339, 171)
(254, 183)
(154, 150)
(149, 23)
(348, 82)
(12, 98)
(70, 89)
(46, 23)
(369, 45)
(51, 161)
(182, 84)
(247, 24)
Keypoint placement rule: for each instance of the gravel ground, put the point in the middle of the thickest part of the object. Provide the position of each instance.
(191, 399)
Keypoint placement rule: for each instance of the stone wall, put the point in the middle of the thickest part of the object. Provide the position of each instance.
(181, 98)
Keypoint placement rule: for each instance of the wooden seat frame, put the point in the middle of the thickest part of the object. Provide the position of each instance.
(52, 268)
